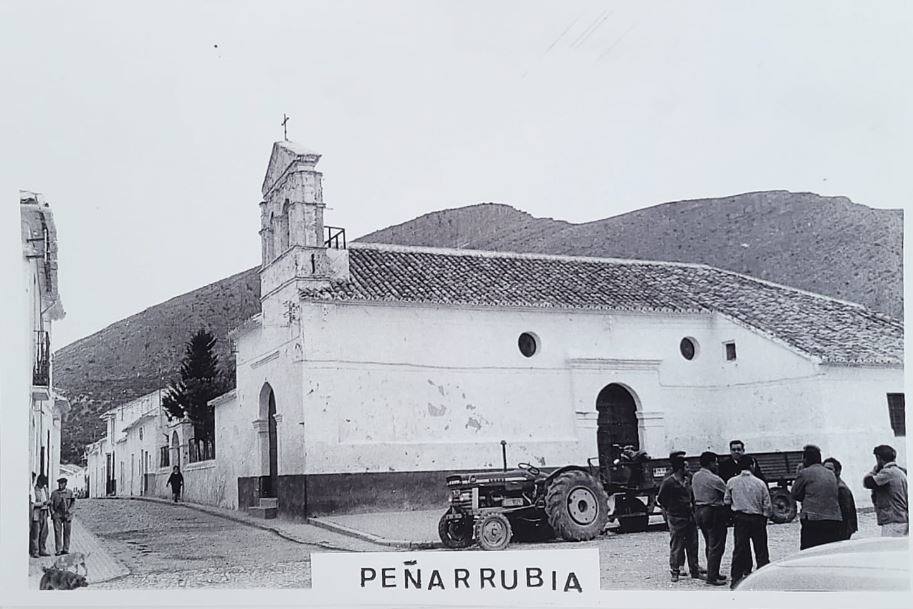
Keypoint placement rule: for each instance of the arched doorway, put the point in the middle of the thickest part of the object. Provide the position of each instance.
(270, 483)
(617, 421)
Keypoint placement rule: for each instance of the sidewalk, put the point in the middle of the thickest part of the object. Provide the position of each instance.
(414, 530)
(100, 565)
(329, 537)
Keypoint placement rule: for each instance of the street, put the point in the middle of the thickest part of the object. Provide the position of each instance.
(175, 546)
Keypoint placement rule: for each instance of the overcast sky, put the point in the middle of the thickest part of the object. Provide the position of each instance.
(148, 126)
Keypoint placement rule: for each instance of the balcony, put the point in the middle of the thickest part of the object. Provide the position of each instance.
(41, 370)
(335, 238)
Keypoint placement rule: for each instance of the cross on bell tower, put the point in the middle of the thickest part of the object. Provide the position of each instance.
(285, 118)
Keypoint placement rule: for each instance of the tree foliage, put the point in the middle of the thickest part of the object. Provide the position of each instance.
(200, 381)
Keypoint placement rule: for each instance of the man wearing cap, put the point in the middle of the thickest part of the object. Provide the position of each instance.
(675, 498)
(62, 501)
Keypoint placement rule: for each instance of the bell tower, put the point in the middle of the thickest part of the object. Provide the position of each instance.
(297, 253)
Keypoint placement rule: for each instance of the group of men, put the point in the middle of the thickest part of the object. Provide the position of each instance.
(58, 506)
(734, 491)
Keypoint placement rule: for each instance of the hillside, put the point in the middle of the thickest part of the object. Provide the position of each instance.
(828, 245)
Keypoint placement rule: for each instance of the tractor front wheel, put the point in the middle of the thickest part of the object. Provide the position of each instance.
(577, 506)
(456, 533)
(493, 532)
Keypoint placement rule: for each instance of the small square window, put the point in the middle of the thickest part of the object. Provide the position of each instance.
(730, 351)
(897, 411)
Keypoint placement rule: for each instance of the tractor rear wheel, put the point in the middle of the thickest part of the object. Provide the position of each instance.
(455, 533)
(577, 506)
(631, 514)
(493, 532)
(784, 506)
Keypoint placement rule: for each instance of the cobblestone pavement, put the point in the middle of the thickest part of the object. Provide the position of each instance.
(172, 546)
(640, 561)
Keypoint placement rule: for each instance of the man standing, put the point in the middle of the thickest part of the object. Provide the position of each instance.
(730, 467)
(176, 482)
(845, 499)
(62, 501)
(889, 493)
(750, 502)
(40, 515)
(710, 514)
(815, 488)
(33, 521)
(674, 496)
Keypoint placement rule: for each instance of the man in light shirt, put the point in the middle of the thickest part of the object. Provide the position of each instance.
(711, 514)
(750, 502)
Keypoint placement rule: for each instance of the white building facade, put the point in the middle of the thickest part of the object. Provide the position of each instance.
(47, 409)
(373, 371)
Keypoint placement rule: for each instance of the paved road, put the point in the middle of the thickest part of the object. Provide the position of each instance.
(171, 546)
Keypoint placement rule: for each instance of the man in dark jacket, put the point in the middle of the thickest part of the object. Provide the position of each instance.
(816, 488)
(176, 482)
(729, 467)
(845, 499)
(674, 496)
(61, 502)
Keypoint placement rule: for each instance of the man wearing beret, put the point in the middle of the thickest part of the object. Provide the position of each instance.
(62, 501)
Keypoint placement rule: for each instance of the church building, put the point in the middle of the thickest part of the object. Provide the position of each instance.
(373, 370)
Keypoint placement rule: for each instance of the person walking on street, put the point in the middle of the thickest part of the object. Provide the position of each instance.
(845, 498)
(33, 520)
(674, 496)
(815, 488)
(750, 502)
(729, 467)
(40, 515)
(710, 514)
(62, 501)
(176, 482)
(888, 483)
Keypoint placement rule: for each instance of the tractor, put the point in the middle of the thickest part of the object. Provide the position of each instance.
(490, 508)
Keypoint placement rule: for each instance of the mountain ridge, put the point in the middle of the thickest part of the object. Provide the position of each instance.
(825, 245)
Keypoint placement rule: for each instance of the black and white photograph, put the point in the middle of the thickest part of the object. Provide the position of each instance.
(553, 300)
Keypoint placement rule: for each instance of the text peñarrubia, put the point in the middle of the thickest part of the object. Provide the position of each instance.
(406, 578)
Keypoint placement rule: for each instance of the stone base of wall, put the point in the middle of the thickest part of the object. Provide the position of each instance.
(301, 496)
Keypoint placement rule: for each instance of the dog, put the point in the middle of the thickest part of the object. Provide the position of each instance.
(57, 579)
(72, 562)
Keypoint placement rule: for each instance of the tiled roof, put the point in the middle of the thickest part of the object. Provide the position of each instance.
(835, 331)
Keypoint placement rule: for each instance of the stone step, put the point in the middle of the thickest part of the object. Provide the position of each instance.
(263, 512)
(269, 502)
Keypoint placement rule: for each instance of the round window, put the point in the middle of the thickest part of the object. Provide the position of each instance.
(688, 348)
(528, 344)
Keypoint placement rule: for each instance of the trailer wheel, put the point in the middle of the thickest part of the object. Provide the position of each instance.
(493, 532)
(631, 514)
(577, 506)
(456, 534)
(784, 506)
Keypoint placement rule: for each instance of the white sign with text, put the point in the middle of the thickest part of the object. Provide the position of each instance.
(468, 576)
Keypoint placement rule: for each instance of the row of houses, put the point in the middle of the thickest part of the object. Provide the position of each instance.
(139, 449)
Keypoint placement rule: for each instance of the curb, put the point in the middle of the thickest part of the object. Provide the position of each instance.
(394, 543)
(240, 520)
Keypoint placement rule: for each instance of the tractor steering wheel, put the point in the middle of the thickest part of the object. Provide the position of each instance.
(533, 470)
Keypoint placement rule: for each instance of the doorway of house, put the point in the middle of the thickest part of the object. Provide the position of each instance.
(273, 485)
(616, 423)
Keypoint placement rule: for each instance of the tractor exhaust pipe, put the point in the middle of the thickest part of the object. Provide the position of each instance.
(504, 453)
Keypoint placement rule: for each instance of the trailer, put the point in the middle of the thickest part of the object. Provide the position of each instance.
(632, 481)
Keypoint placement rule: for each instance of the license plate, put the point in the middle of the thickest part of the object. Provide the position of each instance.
(660, 471)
